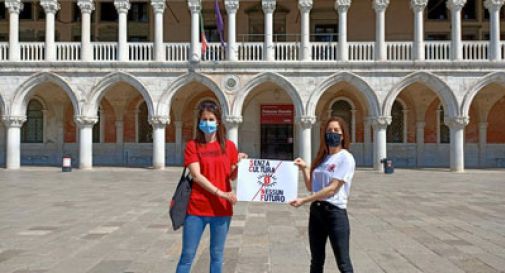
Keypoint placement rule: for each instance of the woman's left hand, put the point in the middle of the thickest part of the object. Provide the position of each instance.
(242, 156)
(297, 202)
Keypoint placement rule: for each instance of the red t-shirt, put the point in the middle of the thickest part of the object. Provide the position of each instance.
(216, 167)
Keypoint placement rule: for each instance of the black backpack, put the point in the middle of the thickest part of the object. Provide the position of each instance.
(180, 200)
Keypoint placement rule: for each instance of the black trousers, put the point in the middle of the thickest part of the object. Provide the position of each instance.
(327, 220)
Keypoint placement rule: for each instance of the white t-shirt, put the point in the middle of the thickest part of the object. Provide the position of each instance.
(338, 166)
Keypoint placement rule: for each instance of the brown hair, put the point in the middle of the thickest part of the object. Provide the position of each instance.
(323, 147)
(209, 106)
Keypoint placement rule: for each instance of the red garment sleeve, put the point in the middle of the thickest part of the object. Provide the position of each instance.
(232, 152)
(190, 154)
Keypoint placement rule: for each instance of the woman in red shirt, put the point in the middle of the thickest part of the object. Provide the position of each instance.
(212, 161)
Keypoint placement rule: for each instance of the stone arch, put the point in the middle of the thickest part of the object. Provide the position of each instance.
(23, 92)
(436, 84)
(494, 77)
(165, 102)
(270, 77)
(354, 80)
(100, 89)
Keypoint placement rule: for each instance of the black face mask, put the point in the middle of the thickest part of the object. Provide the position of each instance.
(333, 139)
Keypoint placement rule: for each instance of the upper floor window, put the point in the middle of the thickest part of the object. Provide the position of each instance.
(145, 130)
(395, 129)
(108, 12)
(469, 11)
(33, 129)
(326, 33)
(437, 10)
(3, 12)
(27, 12)
(138, 13)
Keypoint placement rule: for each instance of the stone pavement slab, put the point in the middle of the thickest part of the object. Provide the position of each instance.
(115, 220)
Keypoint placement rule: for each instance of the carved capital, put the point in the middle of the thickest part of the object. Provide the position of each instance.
(158, 6)
(380, 5)
(122, 6)
(455, 5)
(195, 6)
(86, 6)
(159, 121)
(342, 5)
(418, 5)
(306, 122)
(381, 122)
(231, 121)
(231, 6)
(13, 121)
(305, 5)
(50, 6)
(494, 5)
(459, 122)
(14, 6)
(85, 121)
(268, 6)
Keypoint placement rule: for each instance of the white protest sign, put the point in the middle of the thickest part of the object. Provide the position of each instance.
(263, 180)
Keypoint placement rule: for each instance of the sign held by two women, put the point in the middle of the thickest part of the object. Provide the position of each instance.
(264, 180)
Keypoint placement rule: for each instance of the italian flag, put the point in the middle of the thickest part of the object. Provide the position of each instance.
(202, 35)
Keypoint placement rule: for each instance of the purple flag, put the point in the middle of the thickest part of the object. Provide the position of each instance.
(219, 22)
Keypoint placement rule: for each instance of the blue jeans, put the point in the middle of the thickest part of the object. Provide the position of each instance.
(192, 232)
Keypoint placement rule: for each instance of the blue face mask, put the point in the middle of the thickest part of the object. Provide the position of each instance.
(208, 126)
(333, 139)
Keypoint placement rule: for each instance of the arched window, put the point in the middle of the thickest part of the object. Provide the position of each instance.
(96, 127)
(33, 128)
(395, 129)
(342, 108)
(444, 136)
(145, 130)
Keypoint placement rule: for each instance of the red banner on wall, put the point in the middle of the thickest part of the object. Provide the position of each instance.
(277, 114)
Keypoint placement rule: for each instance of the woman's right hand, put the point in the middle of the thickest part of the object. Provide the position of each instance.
(300, 163)
(230, 196)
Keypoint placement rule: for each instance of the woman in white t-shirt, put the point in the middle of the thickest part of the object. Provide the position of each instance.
(329, 180)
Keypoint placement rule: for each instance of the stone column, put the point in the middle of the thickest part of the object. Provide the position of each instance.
(380, 125)
(232, 123)
(418, 7)
(457, 128)
(305, 51)
(456, 46)
(380, 7)
(420, 142)
(367, 141)
(14, 7)
(405, 126)
(158, 9)
(50, 8)
(305, 125)
(268, 46)
(122, 7)
(119, 131)
(494, 7)
(232, 49)
(316, 137)
(482, 144)
(85, 125)
(342, 6)
(13, 126)
(179, 149)
(195, 6)
(87, 7)
(159, 124)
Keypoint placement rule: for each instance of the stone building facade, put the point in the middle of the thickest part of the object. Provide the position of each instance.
(119, 82)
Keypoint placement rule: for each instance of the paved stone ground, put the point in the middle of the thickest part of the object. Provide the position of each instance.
(114, 220)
